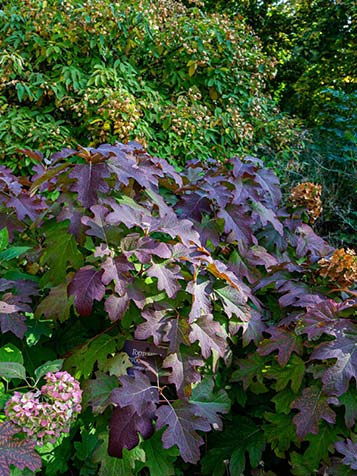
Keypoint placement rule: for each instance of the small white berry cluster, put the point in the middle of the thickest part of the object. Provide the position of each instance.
(47, 413)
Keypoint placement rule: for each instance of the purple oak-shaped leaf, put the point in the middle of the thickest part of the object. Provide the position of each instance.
(253, 328)
(193, 205)
(285, 341)
(178, 228)
(131, 215)
(210, 335)
(136, 391)
(26, 206)
(118, 270)
(86, 286)
(349, 451)
(182, 424)
(184, 371)
(8, 181)
(297, 294)
(143, 248)
(154, 325)
(343, 348)
(176, 333)
(116, 306)
(237, 224)
(266, 215)
(167, 277)
(216, 190)
(14, 451)
(89, 182)
(11, 314)
(308, 243)
(201, 303)
(270, 186)
(234, 303)
(124, 428)
(314, 406)
(97, 225)
(321, 318)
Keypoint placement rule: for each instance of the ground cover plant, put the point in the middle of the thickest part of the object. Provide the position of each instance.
(171, 323)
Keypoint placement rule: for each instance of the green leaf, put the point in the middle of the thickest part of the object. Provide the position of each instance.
(124, 466)
(283, 401)
(4, 238)
(84, 359)
(61, 250)
(117, 365)
(98, 391)
(279, 432)
(209, 401)
(86, 447)
(13, 252)
(10, 353)
(293, 372)
(239, 436)
(50, 366)
(349, 400)
(11, 370)
(160, 461)
(57, 304)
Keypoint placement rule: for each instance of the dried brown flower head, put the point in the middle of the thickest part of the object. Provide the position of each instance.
(307, 195)
(340, 268)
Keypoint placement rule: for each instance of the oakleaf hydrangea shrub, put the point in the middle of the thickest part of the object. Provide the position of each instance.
(184, 304)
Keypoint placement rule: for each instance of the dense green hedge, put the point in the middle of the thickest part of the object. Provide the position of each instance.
(183, 81)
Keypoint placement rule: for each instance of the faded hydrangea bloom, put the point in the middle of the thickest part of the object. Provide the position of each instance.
(47, 413)
(307, 195)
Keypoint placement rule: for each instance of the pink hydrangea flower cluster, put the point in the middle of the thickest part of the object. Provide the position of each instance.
(47, 413)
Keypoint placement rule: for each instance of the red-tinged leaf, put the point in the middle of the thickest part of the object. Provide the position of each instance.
(116, 306)
(314, 406)
(266, 215)
(13, 451)
(210, 335)
(26, 206)
(221, 271)
(343, 348)
(321, 318)
(144, 248)
(167, 277)
(284, 341)
(138, 392)
(182, 424)
(201, 303)
(89, 182)
(183, 372)
(349, 450)
(118, 270)
(124, 428)
(97, 392)
(86, 286)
